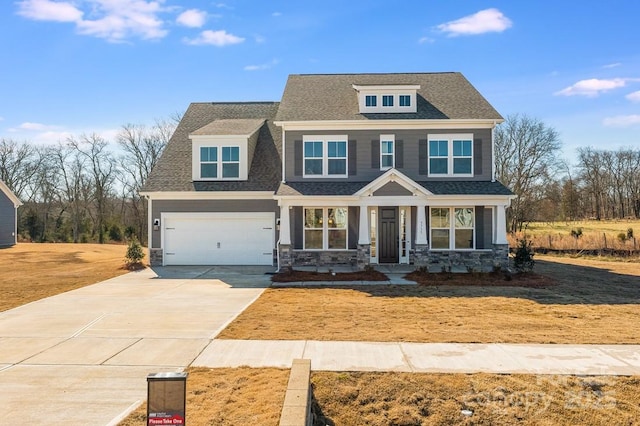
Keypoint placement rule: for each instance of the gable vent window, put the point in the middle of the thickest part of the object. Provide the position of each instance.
(387, 100)
(405, 100)
(371, 100)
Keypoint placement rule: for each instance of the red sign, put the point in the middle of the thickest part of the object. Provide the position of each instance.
(165, 419)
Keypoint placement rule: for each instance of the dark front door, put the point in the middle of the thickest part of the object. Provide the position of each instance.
(388, 228)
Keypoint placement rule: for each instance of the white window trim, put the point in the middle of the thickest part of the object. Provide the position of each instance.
(325, 139)
(240, 143)
(325, 229)
(452, 229)
(392, 139)
(449, 138)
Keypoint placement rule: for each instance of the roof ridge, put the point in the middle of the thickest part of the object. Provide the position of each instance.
(382, 73)
(237, 103)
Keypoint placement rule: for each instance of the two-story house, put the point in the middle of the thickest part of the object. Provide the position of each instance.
(347, 169)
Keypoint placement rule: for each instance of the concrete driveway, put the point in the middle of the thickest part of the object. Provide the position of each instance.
(82, 357)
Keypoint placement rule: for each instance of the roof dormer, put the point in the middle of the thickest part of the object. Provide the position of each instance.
(223, 149)
(387, 98)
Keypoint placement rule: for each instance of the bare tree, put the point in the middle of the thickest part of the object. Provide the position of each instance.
(19, 163)
(526, 158)
(93, 151)
(142, 148)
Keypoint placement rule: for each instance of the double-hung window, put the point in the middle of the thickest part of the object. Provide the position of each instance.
(209, 162)
(219, 162)
(325, 156)
(387, 152)
(450, 155)
(325, 228)
(452, 228)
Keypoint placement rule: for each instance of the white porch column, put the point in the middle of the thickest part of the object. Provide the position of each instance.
(285, 227)
(421, 226)
(500, 225)
(363, 228)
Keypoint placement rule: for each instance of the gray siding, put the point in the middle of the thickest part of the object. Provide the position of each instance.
(208, 206)
(7, 221)
(366, 141)
(392, 189)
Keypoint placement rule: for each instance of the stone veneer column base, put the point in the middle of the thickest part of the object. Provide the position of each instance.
(501, 256)
(286, 258)
(155, 257)
(363, 258)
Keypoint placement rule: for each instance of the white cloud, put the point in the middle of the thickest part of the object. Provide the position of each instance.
(484, 21)
(634, 97)
(261, 66)
(276, 14)
(114, 20)
(592, 87)
(215, 38)
(45, 10)
(260, 39)
(192, 18)
(622, 120)
(614, 65)
(423, 40)
(36, 127)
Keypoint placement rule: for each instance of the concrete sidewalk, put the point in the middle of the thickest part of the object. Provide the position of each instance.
(426, 357)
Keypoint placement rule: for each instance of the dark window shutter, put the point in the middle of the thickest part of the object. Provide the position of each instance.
(297, 158)
(479, 221)
(353, 158)
(375, 154)
(422, 157)
(477, 157)
(399, 154)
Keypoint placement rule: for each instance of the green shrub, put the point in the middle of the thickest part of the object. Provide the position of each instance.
(523, 256)
(134, 254)
(115, 233)
(622, 237)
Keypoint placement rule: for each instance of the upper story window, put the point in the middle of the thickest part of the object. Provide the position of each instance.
(387, 98)
(325, 156)
(452, 228)
(213, 166)
(450, 155)
(387, 151)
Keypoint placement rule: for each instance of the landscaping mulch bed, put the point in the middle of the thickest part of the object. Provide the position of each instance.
(490, 279)
(293, 275)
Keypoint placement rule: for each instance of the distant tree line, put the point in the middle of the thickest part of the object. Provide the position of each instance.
(602, 184)
(84, 189)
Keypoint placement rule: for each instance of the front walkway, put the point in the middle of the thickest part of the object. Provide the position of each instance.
(464, 358)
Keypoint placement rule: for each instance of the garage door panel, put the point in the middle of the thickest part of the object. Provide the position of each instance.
(239, 239)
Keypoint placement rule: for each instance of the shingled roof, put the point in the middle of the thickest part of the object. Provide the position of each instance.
(445, 95)
(435, 187)
(173, 170)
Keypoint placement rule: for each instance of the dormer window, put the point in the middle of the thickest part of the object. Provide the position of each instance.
(387, 99)
(223, 149)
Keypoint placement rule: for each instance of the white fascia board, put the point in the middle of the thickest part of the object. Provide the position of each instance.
(393, 175)
(387, 124)
(208, 195)
(316, 200)
(226, 138)
(465, 200)
(9, 193)
(385, 87)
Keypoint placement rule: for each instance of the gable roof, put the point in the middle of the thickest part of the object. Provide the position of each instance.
(173, 170)
(10, 195)
(234, 126)
(445, 95)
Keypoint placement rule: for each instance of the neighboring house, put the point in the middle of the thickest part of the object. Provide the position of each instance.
(348, 169)
(9, 204)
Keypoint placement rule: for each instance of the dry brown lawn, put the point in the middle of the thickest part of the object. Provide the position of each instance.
(590, 301)
(32, 271)
(377, 399)
(229, 397)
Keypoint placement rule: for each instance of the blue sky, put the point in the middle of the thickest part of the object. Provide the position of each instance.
(78, 66)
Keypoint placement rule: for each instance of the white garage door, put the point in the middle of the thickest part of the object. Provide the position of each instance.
(218, 238)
